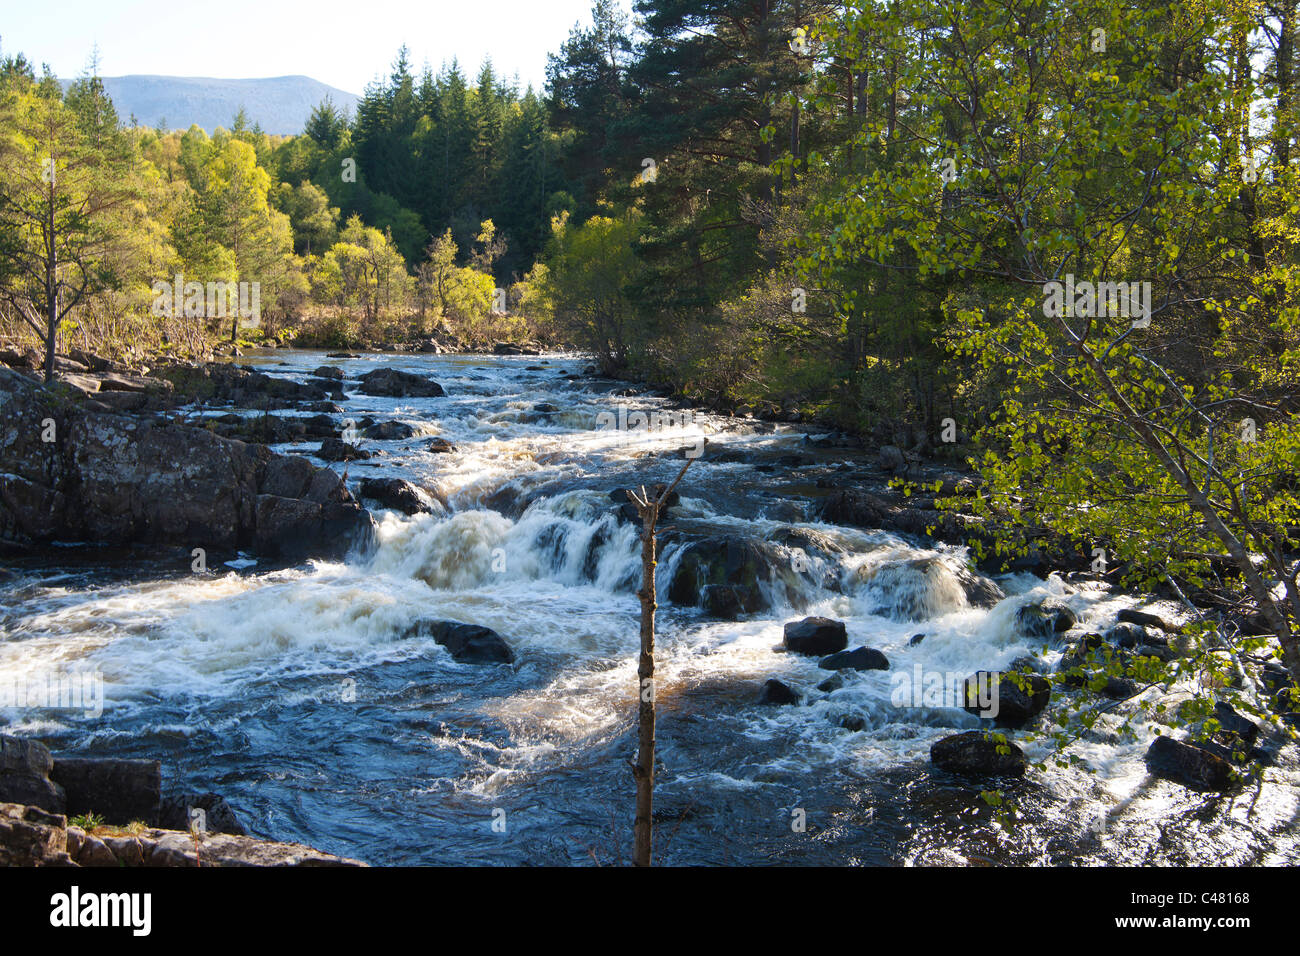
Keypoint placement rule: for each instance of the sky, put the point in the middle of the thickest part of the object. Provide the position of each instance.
(345, 43)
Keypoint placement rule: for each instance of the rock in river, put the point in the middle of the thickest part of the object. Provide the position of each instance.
(815, 636)
(397, 384)
(858, 659)
(973, 754)
(468, 643)
(777, 692)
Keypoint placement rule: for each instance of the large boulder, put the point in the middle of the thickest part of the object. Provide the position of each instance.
(815, 636)
(742, 563)
(973, 754)
(396, 384)
(25, 767)
(1192, 766)
(109, 477)
(468, 643)
(119, 791)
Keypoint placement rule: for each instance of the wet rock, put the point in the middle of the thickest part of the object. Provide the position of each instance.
(468, 643)
(831, 684)
(25, 767)
(546, 408)
(777, 692)
(342, 355)
(218, 816)
(728, 601)
(741, 562)
(922, 588)
(1187, 764)
(400, 495)
(916, 639)
(1009, 705)
(1144, 619)
(858, 659)
(853, 722)
(815, 636)
(1046, 619)
(390, 431)
(335, 449)
(120, 791)
(396, 384)
(972, 754)
(330, 372)
(439, 446)
(1129, 636)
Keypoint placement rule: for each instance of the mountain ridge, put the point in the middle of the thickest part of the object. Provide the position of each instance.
(278, 104)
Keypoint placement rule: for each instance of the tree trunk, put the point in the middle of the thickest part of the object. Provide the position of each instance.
(643, 770)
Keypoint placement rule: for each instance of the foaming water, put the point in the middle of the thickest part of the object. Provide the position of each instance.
(311, 698)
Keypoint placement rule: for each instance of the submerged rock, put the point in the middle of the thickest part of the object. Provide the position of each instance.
(777, 692)
(973, 754)
(468, 643)
(728, 601)
(815, 636)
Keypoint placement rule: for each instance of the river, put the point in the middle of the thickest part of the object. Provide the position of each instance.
(294, 694)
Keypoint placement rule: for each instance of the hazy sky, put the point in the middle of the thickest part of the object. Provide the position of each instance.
(344, 43)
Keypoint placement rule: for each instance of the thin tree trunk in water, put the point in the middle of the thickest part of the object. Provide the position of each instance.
(643, 771)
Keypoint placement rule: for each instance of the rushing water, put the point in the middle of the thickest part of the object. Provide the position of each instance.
(295, 695)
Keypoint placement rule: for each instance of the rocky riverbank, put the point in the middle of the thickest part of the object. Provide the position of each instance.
(121, 817)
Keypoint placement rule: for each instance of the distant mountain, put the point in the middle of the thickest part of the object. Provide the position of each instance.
(279, 104)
